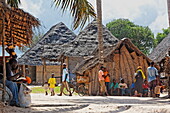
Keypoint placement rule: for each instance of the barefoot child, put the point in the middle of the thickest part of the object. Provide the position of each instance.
(52, 82)
(145, 88)
(157, 89)
(46, 86)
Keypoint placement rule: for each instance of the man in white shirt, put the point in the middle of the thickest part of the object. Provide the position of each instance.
(65, 80)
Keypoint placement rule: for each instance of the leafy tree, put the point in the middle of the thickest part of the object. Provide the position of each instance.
(161, 36)
(141, 36)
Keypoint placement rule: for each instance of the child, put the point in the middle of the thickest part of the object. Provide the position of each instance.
(52, 83)
(123, 87)
(157, 90)
(46, 86)
(145, 88)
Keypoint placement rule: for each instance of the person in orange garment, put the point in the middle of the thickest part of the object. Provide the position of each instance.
(106, 79)
(102, 82)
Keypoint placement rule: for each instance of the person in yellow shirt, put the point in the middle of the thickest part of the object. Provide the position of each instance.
(52, 83)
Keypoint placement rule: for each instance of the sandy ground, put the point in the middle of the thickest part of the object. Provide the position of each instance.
(109, 104)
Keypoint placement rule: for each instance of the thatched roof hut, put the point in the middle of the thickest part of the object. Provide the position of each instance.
(84, 45)
(120, 60)
(161, 55)
(58, 35)
(161, 51)
(87, 42)
(18, 25)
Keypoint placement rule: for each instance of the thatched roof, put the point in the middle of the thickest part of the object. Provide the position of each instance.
(18, 25)
(94, 60)
(56, 37)
(83, 45)
(161, 51)
(86, 42)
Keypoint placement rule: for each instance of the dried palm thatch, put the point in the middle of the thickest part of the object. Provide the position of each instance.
(161, 51)
(18, 25)
(94, 60)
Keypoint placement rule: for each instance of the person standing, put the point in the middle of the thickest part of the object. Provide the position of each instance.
(102, 82)
(65, 80)
(152, 74)
(140, 76)
(106, 79)
(52, 83)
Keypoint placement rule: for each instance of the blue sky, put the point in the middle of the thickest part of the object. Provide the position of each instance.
(152, 13)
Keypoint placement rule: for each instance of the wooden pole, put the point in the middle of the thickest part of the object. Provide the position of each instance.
(3, 54)
(43, 75)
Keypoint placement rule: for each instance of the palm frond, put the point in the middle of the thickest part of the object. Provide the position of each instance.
(80, 10)
(13, 3)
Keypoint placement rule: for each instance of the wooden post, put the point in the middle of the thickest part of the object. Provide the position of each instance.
(23, 67)
(3, 54)
(43, 75)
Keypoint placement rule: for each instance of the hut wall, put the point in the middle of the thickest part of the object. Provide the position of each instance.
(32, 73)
(72, 62)
(49, 69)
(94, 84)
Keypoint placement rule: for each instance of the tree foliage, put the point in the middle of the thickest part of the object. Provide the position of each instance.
(141, 36)
(161, 36)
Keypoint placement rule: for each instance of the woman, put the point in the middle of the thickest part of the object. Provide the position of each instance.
(140, 76)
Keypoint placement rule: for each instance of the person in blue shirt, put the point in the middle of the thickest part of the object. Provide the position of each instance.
(114, 87)
(65, 80)
(152, 75)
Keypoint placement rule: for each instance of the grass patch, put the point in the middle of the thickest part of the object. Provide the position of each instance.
(41, 90)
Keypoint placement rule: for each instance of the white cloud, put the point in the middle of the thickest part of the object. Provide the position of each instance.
(159, 23)
(152, 13)
(33, 7)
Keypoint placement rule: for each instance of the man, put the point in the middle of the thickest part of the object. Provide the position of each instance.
(65, 80)
(11, 67)
(102, 82)
(152, 74)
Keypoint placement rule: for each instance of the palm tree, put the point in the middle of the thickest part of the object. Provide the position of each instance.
(100, 31)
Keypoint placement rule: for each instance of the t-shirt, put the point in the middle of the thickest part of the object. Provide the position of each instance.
(145, 86)
(107, 78)
(157, 90)
(100, 75)
(65, 72)
(152, 73)
(123, 85)
(112, 85)
(52, 82)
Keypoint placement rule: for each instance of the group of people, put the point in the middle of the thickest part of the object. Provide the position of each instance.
(51, 84)
(140, 87)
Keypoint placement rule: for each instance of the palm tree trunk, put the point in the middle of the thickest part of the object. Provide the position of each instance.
(100, 31)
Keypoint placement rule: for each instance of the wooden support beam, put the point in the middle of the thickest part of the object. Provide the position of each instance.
(3, 52)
